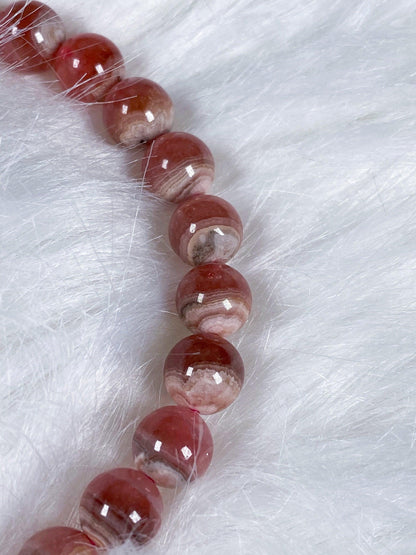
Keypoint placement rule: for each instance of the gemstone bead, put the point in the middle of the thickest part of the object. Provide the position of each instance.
(59, 541)
(173, 445)
(88, 66)
(30, 34)
(177, 165)
(213, 298)
(204, 372)
(137, 110)
(205, 228)
(119, 505)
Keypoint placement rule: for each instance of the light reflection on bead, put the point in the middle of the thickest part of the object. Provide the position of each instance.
(137, 110)
(119, 505)
(213, 298)
(59, 541)
(173, 445)
(30, 34)
(204, 372)
(205, 228)
(178, 165)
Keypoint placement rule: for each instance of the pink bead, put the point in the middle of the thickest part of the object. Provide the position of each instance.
(205, 228)
(213, 298)
(137, 110)
(88, 66)
(119, 505)
(204, 372)
(59, 541)
(177, 165)
(173, 445)
(30, 34)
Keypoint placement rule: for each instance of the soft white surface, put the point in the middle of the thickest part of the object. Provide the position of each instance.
(309, 108)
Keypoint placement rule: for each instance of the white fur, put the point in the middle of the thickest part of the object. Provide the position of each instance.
(309, 109)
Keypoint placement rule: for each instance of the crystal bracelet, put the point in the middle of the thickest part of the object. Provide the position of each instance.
(203, 373)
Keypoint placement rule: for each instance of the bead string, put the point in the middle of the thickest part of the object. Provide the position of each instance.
(203, 372)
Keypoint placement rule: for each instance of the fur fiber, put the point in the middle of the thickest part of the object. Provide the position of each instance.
(309, 109)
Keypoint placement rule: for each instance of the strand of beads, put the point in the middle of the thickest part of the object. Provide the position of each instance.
(203, 372)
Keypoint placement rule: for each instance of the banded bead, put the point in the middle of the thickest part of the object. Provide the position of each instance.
(205, 228)
(30, 34)
(173, 445)
(213, 298)
(137, 110)
(177, 165)
(204, 372)
(88, 66)
(119, 505)
(59, 540)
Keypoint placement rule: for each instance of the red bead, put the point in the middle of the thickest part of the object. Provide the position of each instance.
(205, 228)
(213, 298)
(30, 34)
(204, 372)
(177, 165)
(119, 505)
(173, 445)
(88, 66)
(137, 110)
(59, 541)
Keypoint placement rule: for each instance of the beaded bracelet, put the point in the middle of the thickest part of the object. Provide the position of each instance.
(203, 373)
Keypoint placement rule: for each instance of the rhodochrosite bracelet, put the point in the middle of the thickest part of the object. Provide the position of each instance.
(203, 373)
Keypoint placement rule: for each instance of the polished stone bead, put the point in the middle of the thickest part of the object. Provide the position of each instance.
(137, 110)
(30, 34)
(59, 541)
(205, 228)
(204, 372)
(88, 66)
(213, 298)
(177, 165)
(121, 504)
(173, 445)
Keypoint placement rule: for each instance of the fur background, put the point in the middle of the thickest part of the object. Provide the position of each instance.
(309, 109)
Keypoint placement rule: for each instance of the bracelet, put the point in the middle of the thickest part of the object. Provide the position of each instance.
(203, 372)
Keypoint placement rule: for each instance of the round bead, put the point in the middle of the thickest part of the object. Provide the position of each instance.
(205, 228)
(137, 110)
(177, 165)
(204, 372)
(30, 33)
(88, 66)
(173, 445)
(59, 541)
(213, 298)
(119, 505)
